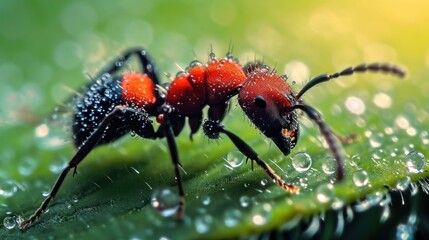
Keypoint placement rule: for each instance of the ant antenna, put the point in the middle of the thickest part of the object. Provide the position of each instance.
(373, 67)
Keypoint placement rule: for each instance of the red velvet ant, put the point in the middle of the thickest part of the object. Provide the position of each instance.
(114, 104)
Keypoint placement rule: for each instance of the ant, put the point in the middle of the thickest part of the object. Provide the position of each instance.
(116, 103)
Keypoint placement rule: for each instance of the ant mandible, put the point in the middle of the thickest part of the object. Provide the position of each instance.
(114, 104)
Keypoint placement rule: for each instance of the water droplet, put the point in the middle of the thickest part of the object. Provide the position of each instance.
(202, 223)
(325, 193)
(165, 202)
(329, 166)
(244, 201)
(19, 219)
(264, 182)
(337, 204)
(301, 161)
(261, 215)
(303, 182)
(376, 140)
(205, 200)
(403, 184)
(360, 178)
(258, 219)
(234, 159)
(58, 166)
(212, 56)
(231, 217)
(415, 161)
(46, 192)
(7, 188)
(9, 222)
(27, 166)
(404, 232)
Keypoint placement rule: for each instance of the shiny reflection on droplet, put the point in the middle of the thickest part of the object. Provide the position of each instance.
(7, 188)
(415, 161)
(234, 159)
(403, 184)
(244, 201)
(231, 217)
(202, 223)
(301, 162)
(205, 199)
(262, 214)
(325, 193)
(165, 202)
(329, 166)
(360, 178)
(27, 166)
(9, 222)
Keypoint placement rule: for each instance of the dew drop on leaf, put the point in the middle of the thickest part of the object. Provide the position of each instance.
(303, 182)
(415, 161)
(234, 159)
(19, 219)
(27, 166)
(7, 188)
(165, 202)
(337, 204)
(202, 223)
(301, 162)
(244, 201)
(261, 214)
(231, 217)
(360, 178)
(325, 193)
(329, 166)
(403, 184)
(205, 199)
(9, 222)
(376, 140)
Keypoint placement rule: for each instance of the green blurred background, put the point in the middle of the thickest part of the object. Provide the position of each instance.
(46, 48)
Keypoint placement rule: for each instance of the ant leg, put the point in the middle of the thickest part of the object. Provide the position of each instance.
(374, 67)
(81, 153)
(328, 134)
(345, 139)
(147, 64)
(176, 163)
(212, 128)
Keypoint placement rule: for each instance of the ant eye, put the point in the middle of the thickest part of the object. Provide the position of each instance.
(260, 102)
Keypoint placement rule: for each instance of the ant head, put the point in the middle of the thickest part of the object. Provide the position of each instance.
(266, 99)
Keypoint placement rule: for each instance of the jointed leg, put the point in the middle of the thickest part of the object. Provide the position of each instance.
(81, 153)
(249, 153)
(176, 164)
(147, 64)
(328, 134)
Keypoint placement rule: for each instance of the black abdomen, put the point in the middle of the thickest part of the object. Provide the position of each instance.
(98, 99)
